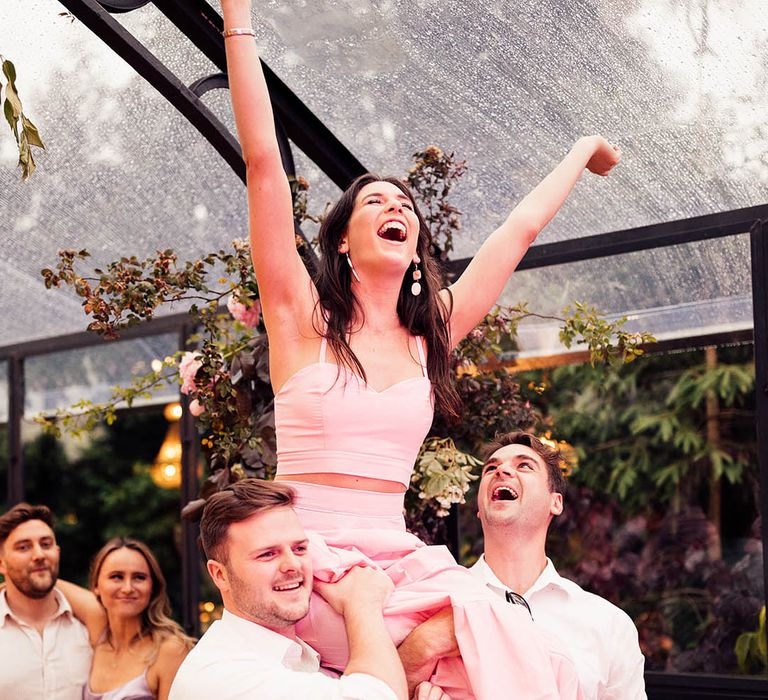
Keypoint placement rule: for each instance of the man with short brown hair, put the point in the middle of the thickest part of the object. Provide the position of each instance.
(45, 651)
(521, 491)
(258, 557)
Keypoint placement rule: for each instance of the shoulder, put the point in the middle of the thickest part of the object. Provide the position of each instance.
(172, 650)
(172, 646)
(600, 611)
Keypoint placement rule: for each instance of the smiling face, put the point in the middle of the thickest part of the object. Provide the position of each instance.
(383, 228)
(267, 576)
(124, 583)
(514, 490)
(29, 559)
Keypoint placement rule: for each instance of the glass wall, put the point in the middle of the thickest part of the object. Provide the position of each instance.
(111, 481)
(3, 433)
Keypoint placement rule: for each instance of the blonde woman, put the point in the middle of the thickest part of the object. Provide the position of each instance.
(137, 646)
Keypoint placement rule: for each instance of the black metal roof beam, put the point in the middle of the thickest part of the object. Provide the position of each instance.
(185, 99)
(171, 323)
(125, 45)
(203, 26)
(697, 228)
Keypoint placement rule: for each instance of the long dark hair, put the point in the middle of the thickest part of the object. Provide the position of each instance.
(425, 315)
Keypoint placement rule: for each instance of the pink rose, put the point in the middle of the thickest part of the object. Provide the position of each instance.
(247, 315)
(188, 367)
(196, 408)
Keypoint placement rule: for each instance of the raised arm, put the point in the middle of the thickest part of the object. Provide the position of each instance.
(284, 283)
(482, 282)
(86, 608)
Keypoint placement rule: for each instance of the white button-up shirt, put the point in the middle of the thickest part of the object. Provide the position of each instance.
(239, 660)
(53, 666)
(600, 638)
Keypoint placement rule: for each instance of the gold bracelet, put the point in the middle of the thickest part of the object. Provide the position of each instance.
(238, 31)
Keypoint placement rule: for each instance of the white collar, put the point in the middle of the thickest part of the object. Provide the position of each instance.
(548, 577)
(277, 646)
(5, 610)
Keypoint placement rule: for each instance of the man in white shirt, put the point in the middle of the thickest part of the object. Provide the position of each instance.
(520, 493)
(45, 651)
(258, 557)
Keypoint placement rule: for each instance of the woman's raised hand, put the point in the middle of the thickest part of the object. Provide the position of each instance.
(605, 156)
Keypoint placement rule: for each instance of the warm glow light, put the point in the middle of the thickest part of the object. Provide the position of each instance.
(570, 457)
(169, 471)
(166, 469)
(172, 412)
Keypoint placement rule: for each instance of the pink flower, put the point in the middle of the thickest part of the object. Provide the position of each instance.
(188, 367)
(247, 315)
(196, 408)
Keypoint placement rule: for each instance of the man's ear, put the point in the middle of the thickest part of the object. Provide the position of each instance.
(218, 573)
(556, 504)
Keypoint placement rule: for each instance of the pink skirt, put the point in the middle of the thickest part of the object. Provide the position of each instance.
(503, 654)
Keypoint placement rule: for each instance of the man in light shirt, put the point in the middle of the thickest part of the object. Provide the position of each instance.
(258, 558)
(45, 651)
(521, 492)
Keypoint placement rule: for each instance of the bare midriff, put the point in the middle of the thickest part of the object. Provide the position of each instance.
(346, 481)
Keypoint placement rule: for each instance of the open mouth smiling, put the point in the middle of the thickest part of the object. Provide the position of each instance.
(392, 231)
(283, 587)
(504, 493)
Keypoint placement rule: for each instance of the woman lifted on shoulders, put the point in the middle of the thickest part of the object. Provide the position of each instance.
(359, 356)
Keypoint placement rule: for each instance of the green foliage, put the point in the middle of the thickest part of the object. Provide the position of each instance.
(431, 178)
(607, 341)
(640, 428)
(105, 490)
(28, 135)
(443, 473)
(751, 649)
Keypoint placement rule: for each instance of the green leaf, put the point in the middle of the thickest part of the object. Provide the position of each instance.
(742, 649)
(10, 118)
(9, 70)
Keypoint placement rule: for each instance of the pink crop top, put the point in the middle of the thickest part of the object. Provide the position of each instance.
(328, 420)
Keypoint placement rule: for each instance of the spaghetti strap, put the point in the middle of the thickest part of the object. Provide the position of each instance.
(422, 361)
(323, 348)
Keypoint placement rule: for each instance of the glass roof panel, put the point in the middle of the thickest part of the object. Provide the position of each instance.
(674, 292)
(510, 86)
(322, 190)
(167, 43)
(3, 395)
(58, 380)
(123, 173)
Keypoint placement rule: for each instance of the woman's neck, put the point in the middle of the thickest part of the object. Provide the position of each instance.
(123, 631)
(378, 304)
